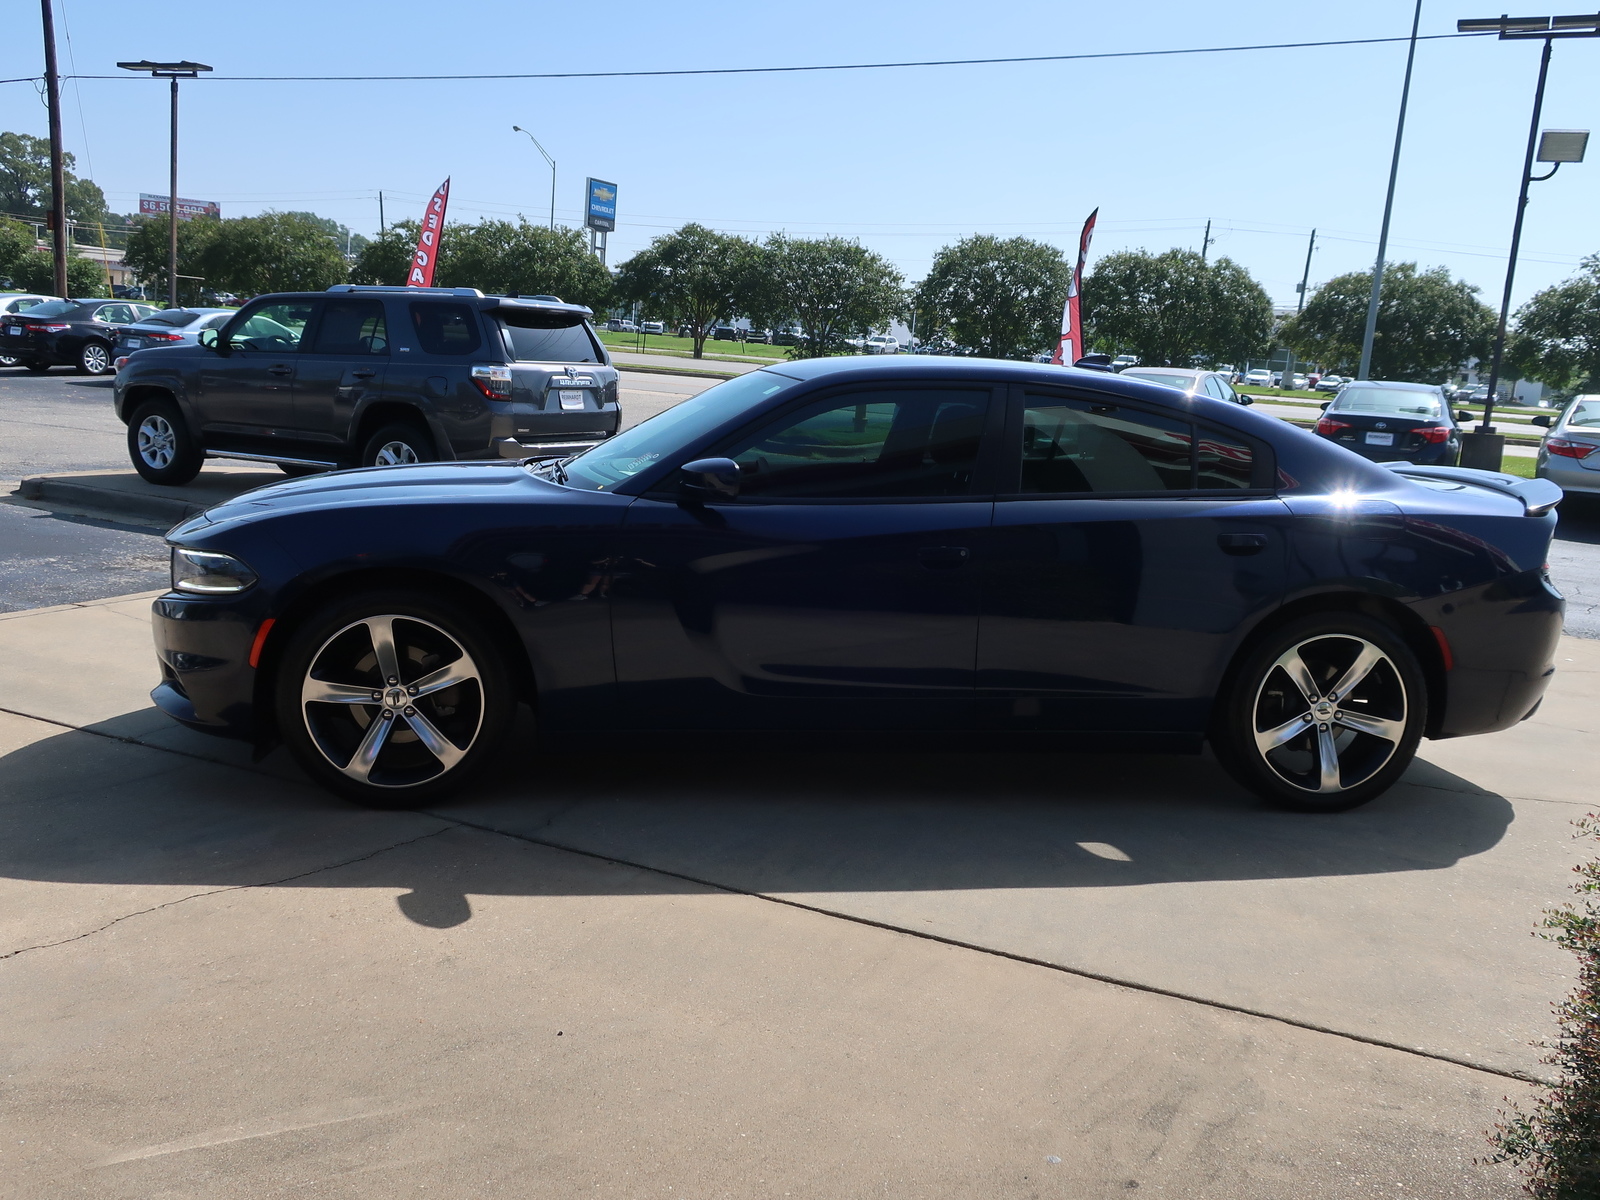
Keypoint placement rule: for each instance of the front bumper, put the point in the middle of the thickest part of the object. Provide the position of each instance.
(203, 649)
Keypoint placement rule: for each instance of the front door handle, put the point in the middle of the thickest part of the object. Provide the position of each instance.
(943, 558)
(1242, 543)
(363, 374)
(280, 369)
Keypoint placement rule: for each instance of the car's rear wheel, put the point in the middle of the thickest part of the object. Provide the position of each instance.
(94, 358)
(8, 360)
(1324, 714)
(397, 444)
(393, 699)
(161, 446)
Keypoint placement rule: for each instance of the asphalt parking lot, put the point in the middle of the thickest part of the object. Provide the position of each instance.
(729, 973)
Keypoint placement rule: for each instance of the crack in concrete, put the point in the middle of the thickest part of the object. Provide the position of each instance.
(238, 887)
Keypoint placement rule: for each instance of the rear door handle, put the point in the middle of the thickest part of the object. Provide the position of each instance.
(280, 369)
(943, 558)
(1242, 543)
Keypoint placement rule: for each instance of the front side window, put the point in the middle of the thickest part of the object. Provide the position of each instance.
(445, 328)
(352, 328)
(869, 445)
(273, 328)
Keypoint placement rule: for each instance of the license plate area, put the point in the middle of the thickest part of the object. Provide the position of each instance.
(571, 399)
(1380, 439)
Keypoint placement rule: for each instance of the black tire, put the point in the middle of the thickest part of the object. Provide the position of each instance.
(95, 359)
(160, 444)
(300, 470)
(38, 368)
(1263, 705)
(329, 738)
(397, 444)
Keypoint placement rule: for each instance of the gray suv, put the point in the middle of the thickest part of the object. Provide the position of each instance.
(371, 376)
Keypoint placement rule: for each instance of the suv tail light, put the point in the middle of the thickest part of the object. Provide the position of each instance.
(1433, 433)
(1327, 427)
(1567, 448)
(493, 382)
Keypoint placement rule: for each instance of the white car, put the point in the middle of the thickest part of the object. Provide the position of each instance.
(882, 343)
(658, 327)
(1260, 377)
(1124, 360)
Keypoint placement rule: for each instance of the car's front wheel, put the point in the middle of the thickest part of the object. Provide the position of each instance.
(1324, 714)
(94, 358)
(393, 699)
(161, 446)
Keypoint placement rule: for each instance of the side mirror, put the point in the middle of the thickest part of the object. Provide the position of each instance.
(708, 479)
(208, 338)
(1325, 404)
(1541, 420)
(1242, 399)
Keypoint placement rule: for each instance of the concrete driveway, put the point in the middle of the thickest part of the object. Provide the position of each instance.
(722, 973)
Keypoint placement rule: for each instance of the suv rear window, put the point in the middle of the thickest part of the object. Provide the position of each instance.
(445, 328)
(547, 336)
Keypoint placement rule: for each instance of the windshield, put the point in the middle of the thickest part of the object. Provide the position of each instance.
(55, 308)
(1586, 411)
(647, 443)
(175, 317)
(1183, 383)
(536, 336)
(1387, 400)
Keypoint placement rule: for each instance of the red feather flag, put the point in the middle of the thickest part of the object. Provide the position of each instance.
(1071, 348)
(428, 240)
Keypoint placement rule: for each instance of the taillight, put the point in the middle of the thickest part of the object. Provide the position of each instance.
(51, 328)
(1567, 448)
(1327, 427)
(493, 382)
(1433, 433)
(159, 337)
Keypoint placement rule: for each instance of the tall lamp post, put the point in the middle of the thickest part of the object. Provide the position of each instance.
(552, 162)
(173, 71)
(1484, 448)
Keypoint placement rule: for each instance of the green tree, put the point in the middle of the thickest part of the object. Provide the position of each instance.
(1002, 297)
(832, 287)
(16, 243)
(33, 270)
(272, 252)
(146, 254)
(25, 184)
(387, 258)
(1175, 309)
(1557, 339)
(341, 235)
(1429, 325)
(693, 276)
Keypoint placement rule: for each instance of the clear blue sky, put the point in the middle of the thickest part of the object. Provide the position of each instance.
(1266, 144)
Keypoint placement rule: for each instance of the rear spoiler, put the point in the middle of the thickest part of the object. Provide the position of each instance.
(1538, 496)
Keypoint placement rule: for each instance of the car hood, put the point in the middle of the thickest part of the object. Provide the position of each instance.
(420, 483)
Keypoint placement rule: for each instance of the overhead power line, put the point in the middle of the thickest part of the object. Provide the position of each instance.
(869, 66)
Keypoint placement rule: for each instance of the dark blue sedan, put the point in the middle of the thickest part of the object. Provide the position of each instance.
(955, 554)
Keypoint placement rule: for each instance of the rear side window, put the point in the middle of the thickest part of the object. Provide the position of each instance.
(547, 337)
(1082, 446)
(352, 328)
(445, 328)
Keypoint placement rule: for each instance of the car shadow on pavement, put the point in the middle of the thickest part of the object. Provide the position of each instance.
(81, 808)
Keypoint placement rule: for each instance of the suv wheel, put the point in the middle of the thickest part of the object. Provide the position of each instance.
(1324, 714)
(94, 358)
(161, 446)
(393, 698)
(397, 444)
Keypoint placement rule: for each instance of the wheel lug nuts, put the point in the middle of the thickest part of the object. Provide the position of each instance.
(388, 714)
(377, 695)
(411, 691)
(1324, 728)
(394, 679)
(410, 712)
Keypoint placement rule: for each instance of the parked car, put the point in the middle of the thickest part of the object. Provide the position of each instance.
(1124, 360)
(724, 333)
(1394, 422)
(76, 333)
(790, 335)
(1474, 395)
(169, 327)
(656, 327)
(1330, 383)
(1260, 377)
(1298, 383)
(759, 336)
(1197, 383)
(723, 570)
(621, 325)
(1569, 455)
(882, 343)
(14, 302)
(357, 376)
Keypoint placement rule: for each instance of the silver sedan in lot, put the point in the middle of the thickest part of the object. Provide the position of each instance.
(1569, 455)
(169, 327)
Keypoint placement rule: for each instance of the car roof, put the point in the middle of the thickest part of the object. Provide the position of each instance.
(1192, 372)
(1397, 385)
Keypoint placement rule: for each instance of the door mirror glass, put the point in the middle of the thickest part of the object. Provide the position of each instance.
(208, 338)
(1543, 421)
(1325, 404)
(709, 479)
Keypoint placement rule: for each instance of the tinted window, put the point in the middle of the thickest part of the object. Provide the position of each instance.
(274, 328)
(1182, 382)
(1387, 400)
(55, 308)
(1585, 412)
(547, 337)
(1223, 461)
(175, 317)
(445, 328)
(871, 444)
(352, 328)
(1076, 446)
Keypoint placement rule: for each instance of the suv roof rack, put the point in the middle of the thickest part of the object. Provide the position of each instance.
(400, 287)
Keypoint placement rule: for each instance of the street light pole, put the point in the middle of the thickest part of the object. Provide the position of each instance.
(173, 71)
(552, 162)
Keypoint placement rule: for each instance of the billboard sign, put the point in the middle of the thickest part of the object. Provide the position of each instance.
(600, 211)
(155, 206)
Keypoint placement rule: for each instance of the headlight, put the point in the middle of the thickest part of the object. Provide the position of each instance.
(208, 572)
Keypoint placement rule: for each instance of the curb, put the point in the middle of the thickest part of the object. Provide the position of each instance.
(92, 501)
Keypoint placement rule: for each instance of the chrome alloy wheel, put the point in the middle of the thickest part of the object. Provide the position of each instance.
(96, 359)
(395, 454)
(1330, 712)
(392, 701)
(158, 441)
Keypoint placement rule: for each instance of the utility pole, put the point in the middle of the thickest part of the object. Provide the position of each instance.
(1365, 369)
(1205, 242)
(1306, 277)
(380, 214)
(58, 180)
